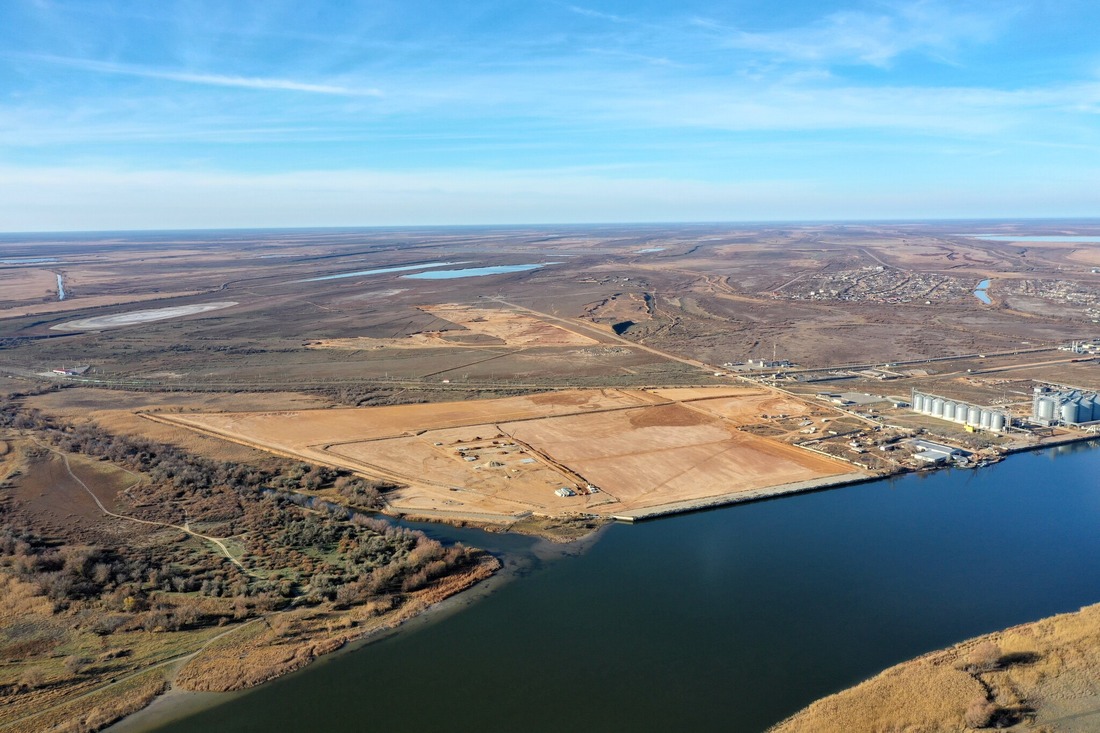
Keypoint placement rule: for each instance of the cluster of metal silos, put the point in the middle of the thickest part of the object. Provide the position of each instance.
(1072, 407)
(960, 412)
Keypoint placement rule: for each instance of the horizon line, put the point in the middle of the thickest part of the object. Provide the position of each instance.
(715, 222)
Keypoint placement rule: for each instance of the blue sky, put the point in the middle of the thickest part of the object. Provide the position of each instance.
(121, 115)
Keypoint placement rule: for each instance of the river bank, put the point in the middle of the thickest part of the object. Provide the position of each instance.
(252, 653)
(733, 618)
(1044, 673)
(517, 556)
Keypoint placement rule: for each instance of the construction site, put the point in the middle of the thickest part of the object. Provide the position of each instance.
(613, 453)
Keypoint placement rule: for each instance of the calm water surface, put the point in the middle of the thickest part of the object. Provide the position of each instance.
(980, 293)
(377, 271)
(473, 272)
(726, 620)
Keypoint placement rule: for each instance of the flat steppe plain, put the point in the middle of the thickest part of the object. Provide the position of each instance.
(504, 458)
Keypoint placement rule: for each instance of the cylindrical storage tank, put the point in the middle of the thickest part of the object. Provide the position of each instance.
(937, 407)
(1071, 412)
(983, 421)
(1046, 408)
(974, 415)
(927, 408)
(1094, 408)
(997, 422)
(948, 410)
(962, 410)
(918, 402)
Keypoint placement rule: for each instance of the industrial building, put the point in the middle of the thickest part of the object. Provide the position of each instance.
(935, 453)
(964, 413)
(1069, 407)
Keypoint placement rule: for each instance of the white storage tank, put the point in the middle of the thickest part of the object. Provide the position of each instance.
(962, 410)
(948, 410)
(983, 421)
(937, 407)
(1046, 408)
(1071, 412)
(997, 422)
(918, 402)
(974, 415)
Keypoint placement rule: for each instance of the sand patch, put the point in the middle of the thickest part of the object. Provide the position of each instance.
(118, 320)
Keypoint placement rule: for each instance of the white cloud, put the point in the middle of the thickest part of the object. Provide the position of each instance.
(847, 36)
(219, 80)
(598, 14)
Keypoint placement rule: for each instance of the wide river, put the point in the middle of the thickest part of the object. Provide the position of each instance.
(724, 620)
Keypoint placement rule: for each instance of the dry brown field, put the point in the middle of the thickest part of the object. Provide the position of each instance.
(476, 327)
(506, 457)
(27, 285)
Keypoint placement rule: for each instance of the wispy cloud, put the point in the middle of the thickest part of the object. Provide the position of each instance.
(869, 38)
(206, 79)
(590, 13)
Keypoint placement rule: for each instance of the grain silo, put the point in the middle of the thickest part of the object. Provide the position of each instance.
(948, 410)
(997, 422)
(918, 402)
(1094, 408)
(1045, 408)
(937, 407)
(1071, 412)
(983, 420)
(973, 415)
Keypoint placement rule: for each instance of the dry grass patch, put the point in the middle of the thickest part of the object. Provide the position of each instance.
(1041, 676)
(284, 642)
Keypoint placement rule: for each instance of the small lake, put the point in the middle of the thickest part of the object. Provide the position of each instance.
(723, 620)
(648, 250)
(60, 287)
(473, 272)
(378, 271)
(981, 294)
(28, 261)
(1084, 239)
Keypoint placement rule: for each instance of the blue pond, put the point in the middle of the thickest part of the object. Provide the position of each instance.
(473, 272)
(378, 271)
(980, 293)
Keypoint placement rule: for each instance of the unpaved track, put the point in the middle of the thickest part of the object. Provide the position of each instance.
(118, 681)
(182, 528)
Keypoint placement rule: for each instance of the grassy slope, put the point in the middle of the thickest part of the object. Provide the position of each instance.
(1047, 678)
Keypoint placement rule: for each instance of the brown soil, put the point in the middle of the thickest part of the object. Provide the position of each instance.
(666, 416)
(53, 501)
(24, 284)
(638, 448)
